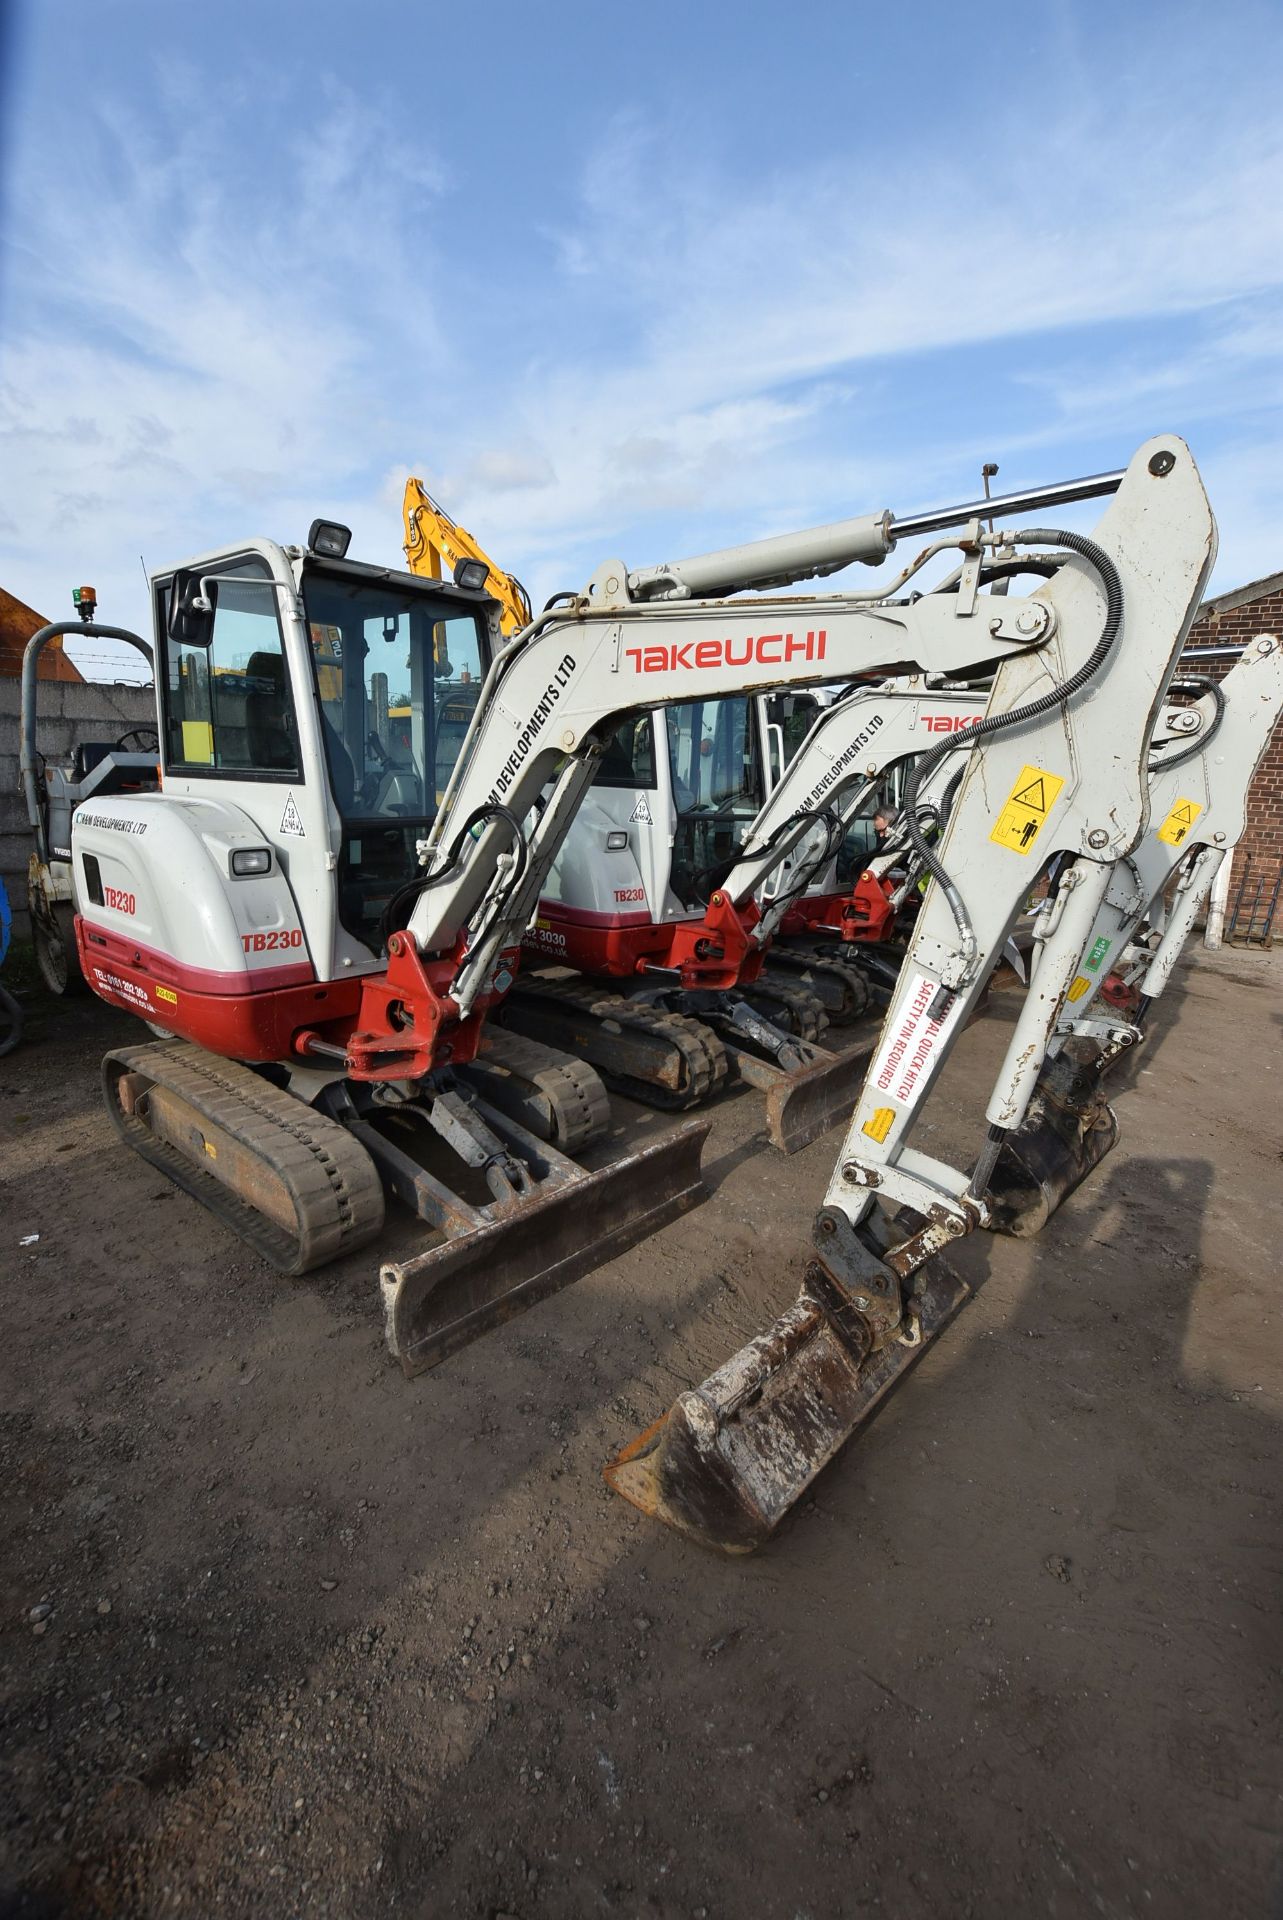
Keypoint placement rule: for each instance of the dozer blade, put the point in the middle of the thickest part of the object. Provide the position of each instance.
(731, 1457)
(801, 1106)
(525, 1250)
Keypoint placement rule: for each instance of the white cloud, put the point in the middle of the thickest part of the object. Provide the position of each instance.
(205, 374)
(199, 352)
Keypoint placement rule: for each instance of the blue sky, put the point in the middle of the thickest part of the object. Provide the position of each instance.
(633, 281)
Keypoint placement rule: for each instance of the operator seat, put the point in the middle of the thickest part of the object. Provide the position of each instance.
(269, 734)
(342, 767)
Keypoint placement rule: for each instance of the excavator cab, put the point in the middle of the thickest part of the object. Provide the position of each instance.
(397, 678)
(719, 788)
(363, 702)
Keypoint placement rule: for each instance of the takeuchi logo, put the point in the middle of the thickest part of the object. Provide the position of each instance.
(763, 649)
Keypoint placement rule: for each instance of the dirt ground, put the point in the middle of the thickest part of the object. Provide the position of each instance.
(310, 1639)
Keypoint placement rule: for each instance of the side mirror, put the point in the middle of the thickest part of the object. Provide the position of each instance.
(191, 625)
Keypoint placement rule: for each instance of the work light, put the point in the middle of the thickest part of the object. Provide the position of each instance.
(329, 539)
(250, 860)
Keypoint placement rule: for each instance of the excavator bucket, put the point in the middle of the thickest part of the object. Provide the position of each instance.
(1068, 1130)
(506, 1257)
(730, 1458)
(802, 1105)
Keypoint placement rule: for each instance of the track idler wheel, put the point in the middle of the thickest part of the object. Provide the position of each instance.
(1068, 1130)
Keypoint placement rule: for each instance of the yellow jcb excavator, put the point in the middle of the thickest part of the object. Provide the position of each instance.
(439, 548)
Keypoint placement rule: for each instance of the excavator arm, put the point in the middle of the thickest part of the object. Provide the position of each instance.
(1058, 770)
(556, 692)
(1198, 806)
(1198, 798)
(840, 762)
(435, 545)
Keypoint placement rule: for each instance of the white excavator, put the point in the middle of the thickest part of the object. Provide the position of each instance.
(678, 908)
(248, 858)
(674, 999)
(1200, 771)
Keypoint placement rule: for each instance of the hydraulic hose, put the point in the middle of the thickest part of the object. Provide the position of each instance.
(423, 882)
(834, 833)
(1177, 756)
(970, 738)
(721, 872)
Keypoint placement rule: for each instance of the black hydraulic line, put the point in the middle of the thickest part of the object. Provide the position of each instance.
(835, 832)
(994, 570)
(1175, 757)
(422, 882)
(970, 738)
(834, 829)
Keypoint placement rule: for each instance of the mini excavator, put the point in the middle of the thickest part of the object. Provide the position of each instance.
(349, 1028)
(689, 960)
(700, 994)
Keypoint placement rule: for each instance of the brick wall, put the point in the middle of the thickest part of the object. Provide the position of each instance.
(1232, 620)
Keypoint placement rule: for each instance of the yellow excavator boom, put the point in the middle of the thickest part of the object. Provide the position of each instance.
(435, 544)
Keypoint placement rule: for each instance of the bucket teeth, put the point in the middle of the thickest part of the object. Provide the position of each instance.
(731, 1457)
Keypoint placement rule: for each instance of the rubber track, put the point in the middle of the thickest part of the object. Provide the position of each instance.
(853, 981)
(575, 1092)
(332, 1181)
(804, 1011)
(701, 1053)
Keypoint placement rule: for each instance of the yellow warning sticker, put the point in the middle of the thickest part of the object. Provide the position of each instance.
(1079, 987)
(1175, 829)
(167, 993)
(198, 743)
(1028, 804)
(881, 1123)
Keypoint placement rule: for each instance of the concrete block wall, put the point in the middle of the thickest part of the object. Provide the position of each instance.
(68, 712)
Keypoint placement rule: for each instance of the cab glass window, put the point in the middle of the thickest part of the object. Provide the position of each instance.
(228, 706)
(398, 677)
(629, 756)
(717, 790)
(712, 749)
(794, 714)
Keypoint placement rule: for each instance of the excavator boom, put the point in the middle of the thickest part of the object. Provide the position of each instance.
(437, 547)
(1199, 781)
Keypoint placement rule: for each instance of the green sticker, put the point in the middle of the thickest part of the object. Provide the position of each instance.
(1097, 953)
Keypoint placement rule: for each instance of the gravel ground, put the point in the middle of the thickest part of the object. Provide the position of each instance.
(285, 1634)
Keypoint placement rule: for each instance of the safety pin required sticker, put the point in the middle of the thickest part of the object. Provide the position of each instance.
(1175, 829)
(901, 1067)
(1028, 804)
